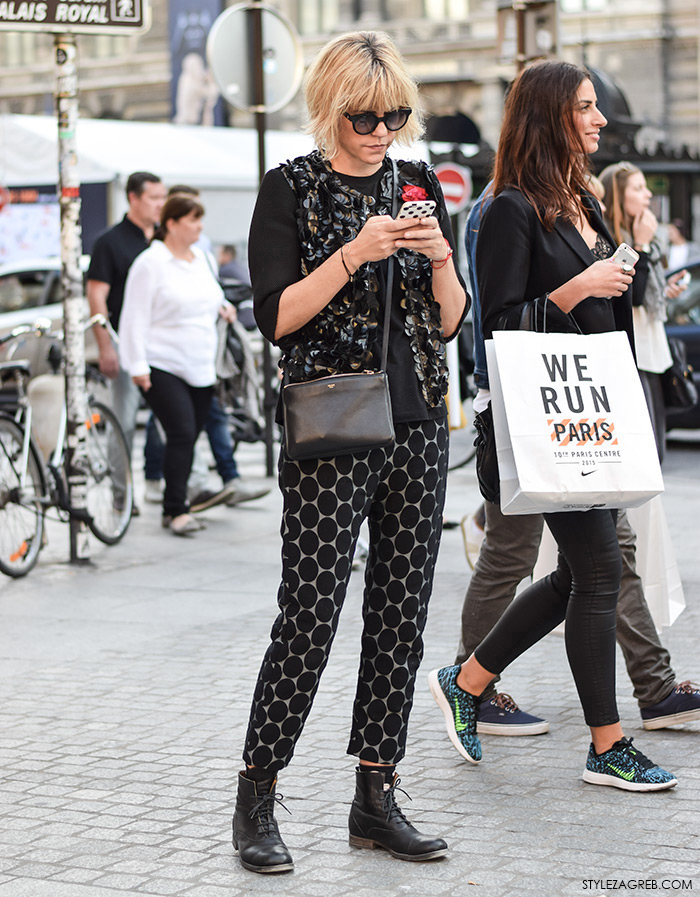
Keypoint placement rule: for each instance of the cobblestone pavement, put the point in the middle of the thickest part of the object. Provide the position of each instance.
(124, 692)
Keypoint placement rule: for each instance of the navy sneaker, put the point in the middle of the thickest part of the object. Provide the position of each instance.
(681, 706)
(460, 709)
(502, 716)
(625, 767)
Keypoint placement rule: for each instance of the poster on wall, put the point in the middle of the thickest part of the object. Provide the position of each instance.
(29, 230)
(194, 94)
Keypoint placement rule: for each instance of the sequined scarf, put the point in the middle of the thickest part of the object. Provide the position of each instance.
(339, 338)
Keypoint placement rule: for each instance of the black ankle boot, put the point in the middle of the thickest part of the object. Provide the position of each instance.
(256, 836)
(376, 820)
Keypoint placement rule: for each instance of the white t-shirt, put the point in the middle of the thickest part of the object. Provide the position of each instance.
(169, 316)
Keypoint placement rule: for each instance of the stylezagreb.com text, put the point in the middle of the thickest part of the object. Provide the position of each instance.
(637, 884)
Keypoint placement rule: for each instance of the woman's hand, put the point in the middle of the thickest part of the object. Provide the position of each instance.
(602, 279)
(143, 381)
(378, 239)
(644, 227)
(674, 289)
(424, 236)
(228, 313)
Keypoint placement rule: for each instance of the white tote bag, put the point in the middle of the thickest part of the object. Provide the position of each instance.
(571, 423)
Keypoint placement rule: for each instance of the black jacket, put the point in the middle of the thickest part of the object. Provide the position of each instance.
(518, 261)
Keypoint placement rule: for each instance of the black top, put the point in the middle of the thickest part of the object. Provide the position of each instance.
(112, 256)
(275, 263)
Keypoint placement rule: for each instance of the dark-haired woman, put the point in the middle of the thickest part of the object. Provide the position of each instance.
(321, 242)
(543, 245)
(167, 343)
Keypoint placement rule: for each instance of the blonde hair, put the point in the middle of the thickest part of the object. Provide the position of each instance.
(614, 179)
(358, 72)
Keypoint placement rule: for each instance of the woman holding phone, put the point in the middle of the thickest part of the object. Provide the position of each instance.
(548, 227)
(321, 242)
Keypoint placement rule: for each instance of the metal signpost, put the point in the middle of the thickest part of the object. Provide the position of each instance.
(255, 56)
(64, 19)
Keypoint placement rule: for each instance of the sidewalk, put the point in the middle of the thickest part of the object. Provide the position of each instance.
(124, 693)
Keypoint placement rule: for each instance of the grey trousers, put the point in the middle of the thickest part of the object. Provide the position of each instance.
(508, 555)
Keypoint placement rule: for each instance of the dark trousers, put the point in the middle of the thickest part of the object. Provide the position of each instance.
(217, 429)
(583, 590)
(401, 491)
(508, 555)
(182, 411)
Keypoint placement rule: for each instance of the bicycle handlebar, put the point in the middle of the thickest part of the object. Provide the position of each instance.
(42, 327)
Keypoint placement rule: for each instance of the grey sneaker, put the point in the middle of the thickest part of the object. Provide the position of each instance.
(153, 492)
(460, 710)
(242, 491)
(208, 499)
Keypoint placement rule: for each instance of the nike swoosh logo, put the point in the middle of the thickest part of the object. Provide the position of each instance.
(459, 725)
(628, 776)
(587, 473)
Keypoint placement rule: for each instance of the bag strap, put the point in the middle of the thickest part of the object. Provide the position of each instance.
(390, 271)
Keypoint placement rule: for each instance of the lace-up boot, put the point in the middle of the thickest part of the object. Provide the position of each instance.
(376, 820)
(256, 836)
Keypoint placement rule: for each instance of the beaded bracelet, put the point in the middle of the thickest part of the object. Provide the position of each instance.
(347, 270)
(442, 262)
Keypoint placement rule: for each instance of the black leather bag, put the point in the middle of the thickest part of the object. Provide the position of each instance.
(486, 458)
(337, 415)
(342, 413)
(677, 382)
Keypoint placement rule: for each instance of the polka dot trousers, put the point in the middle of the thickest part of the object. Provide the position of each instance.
(401, 491)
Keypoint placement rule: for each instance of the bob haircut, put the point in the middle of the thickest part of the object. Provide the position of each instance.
(176, 207)
(358, 72)
(540, 151)
(614, 179)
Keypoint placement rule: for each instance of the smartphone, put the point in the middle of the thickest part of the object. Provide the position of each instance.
(625, 255)
(417, 208)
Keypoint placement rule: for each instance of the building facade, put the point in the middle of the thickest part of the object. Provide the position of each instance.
(651, 48)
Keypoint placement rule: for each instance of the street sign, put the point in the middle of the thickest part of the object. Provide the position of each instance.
(456, 183)
(231, 50)
(75, 16)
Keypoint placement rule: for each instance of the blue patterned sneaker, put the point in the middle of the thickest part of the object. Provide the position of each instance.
(460, 709)
(681, 706)
(625, 767)
(502, 716)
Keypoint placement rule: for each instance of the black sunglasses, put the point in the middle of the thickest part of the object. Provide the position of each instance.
(367, 122)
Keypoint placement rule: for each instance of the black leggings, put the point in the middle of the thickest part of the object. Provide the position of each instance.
(583, 590)
(182, 410)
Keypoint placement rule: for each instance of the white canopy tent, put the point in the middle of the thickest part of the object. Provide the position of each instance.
(222, 163)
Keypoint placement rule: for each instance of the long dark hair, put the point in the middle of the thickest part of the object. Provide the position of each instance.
(540, 151)
(176, 207)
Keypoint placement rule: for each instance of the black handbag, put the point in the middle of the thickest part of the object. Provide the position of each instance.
(677, 382)
(342, 413)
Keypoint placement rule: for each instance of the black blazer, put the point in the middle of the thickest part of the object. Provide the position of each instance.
(518, 261)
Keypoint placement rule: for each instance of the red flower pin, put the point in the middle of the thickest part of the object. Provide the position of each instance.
(412, 192)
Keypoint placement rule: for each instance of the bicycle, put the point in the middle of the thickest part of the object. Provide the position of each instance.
(30, 485)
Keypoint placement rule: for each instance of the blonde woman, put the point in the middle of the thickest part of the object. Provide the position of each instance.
(325, 220)
(630, 218)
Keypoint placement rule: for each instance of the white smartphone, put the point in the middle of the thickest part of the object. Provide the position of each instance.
(417, 208)
(625, 255)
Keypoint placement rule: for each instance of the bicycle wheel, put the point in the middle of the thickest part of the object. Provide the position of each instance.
(110, 490)
(21, 508)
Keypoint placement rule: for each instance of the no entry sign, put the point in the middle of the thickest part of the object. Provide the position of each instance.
(456, 183)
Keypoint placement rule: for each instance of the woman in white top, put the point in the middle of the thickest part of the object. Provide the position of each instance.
(168, 343)
(630, 219)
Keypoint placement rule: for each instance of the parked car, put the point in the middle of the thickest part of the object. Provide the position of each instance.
(684, 323)
(31, 289)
